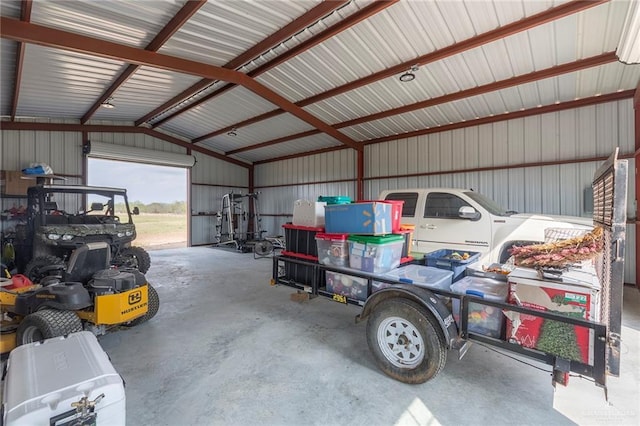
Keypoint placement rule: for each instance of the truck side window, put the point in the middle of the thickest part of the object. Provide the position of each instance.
(410, 201)
(443, 205)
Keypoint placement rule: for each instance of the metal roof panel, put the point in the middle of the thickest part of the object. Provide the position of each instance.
(130, 23)
(222, 30)
(57, 83)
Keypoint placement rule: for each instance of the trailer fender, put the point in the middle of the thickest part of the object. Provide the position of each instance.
(421, 296)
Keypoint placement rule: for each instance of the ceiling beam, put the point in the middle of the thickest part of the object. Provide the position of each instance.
(345, 24)
(593, 100)
(593, 61)
(454, 49)
(49, 37)
(302, 154)
(282, 34)
(273, 142)
(98, 128)
(25, 15)
(183, 15)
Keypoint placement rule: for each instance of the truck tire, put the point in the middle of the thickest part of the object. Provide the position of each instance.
(134, 257)
(405, 340)
(153, 306)
(40, 267)
(45, 324)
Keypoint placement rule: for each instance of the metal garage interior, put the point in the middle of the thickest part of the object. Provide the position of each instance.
(519, 100)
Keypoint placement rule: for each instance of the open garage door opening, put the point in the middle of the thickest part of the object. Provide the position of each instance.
(159, 193)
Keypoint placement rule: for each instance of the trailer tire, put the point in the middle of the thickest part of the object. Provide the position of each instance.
(45, 324)
(406, 341)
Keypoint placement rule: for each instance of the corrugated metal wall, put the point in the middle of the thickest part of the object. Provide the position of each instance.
(60, 150)
(306, 178)
(564, 137)
(211, 179)
(63, 152)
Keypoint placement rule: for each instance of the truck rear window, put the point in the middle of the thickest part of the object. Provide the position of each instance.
(410, 201)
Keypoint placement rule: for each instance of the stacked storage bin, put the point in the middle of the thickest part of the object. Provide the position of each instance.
(481, 319)
(374, 242)
(300, 244)
(300, 238)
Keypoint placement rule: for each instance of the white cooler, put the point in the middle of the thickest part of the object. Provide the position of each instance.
(44, 378)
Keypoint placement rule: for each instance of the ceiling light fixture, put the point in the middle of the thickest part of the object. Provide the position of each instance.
(107, 104)
(409, 75)
(628, 50)
(232, 132)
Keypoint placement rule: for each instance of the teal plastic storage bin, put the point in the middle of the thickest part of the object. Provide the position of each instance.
(442, 259)
(337, 199)
(376, 254)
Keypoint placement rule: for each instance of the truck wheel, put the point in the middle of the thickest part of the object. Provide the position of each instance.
(42, 266)
(134, 257)
(406, 341)
(45, 324)
(153, 306)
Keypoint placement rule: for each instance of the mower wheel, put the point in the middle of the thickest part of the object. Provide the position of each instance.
(134, 257)
(42, 266)
(45, 324)
(153, 306)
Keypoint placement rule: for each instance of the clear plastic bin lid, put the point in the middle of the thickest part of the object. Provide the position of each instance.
(482, 287)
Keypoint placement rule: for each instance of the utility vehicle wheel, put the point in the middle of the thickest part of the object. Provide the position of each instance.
(42, 266)
(406, 341)
(153, 306)
(45, 324)
(134, 257)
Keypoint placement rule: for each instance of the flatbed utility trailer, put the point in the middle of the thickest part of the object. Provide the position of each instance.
(410, 328)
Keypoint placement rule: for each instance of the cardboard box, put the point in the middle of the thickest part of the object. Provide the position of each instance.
(577, 296)
(365, 218)
(13, 184)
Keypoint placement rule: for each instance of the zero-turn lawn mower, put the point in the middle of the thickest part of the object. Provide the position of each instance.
(86, 293)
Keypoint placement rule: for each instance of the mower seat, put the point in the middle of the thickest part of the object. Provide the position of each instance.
(86, 260)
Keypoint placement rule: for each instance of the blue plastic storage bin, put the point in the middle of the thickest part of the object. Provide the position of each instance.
(442, 259)
(364, 218)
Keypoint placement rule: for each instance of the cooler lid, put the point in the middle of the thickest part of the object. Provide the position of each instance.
(585, 278)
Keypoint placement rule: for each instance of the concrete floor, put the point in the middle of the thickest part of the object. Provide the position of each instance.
(228, 348)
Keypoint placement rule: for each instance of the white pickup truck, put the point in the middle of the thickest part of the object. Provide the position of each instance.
(465, 220)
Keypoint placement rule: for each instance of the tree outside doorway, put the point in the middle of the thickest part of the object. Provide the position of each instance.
(159, 192)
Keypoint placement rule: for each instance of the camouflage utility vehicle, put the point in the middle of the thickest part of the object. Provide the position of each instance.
(59, 221)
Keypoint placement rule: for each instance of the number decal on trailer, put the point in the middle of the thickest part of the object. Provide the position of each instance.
(340, 298)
